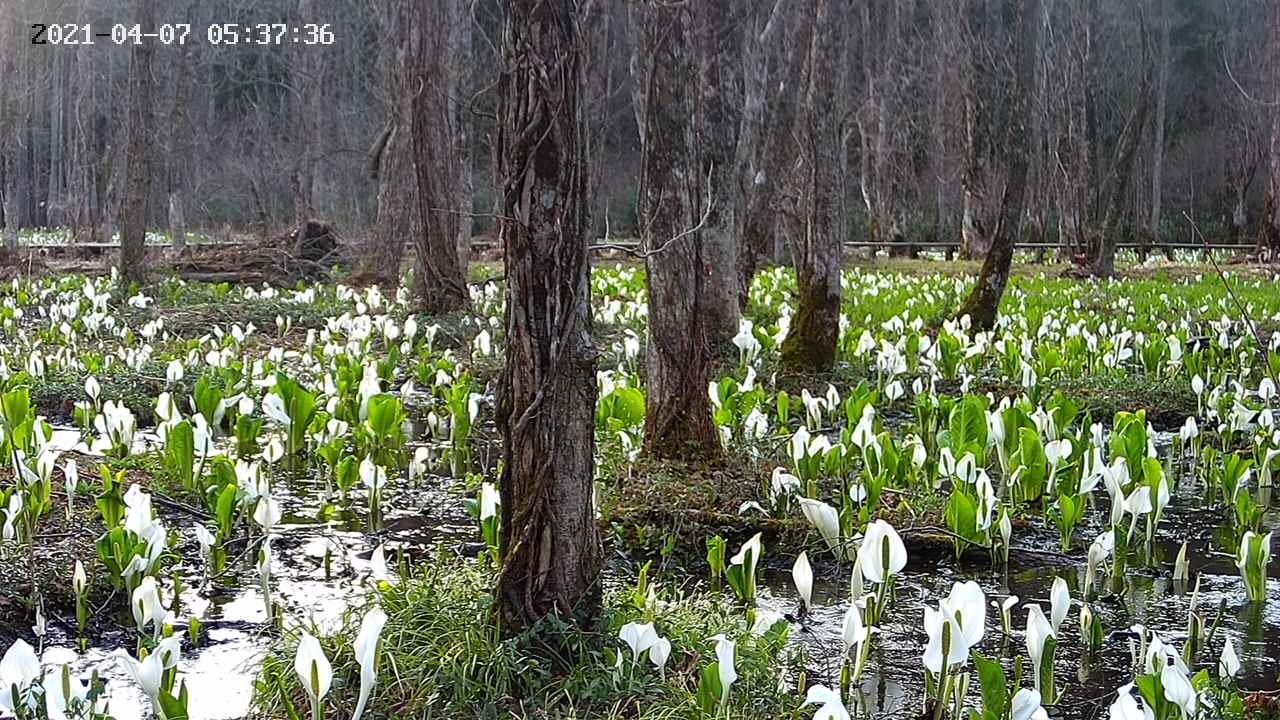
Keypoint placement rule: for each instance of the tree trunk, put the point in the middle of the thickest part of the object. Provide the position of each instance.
(1162, 102)
(1022, 21)
(811, 341)
(719, 30)
(391, 157)
(672, 197)
(1272, 219)
(133, 206)
(1116, 186)
(177, 222)
(462, 73)
(10, 222)
(547, 391)
(766, 145)
(439, 278)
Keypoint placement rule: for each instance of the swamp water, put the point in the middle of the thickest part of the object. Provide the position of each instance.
(235, 632)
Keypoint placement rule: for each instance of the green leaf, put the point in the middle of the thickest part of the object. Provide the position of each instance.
(995, 688)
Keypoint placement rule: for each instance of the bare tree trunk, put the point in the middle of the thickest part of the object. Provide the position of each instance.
(1116, 185)
(719, 30)
(974, 240)
(133, 206)
(678, 414)
(1162, 102)
(1022, 23)
(1271, 220)
(766, 145)
(811, 341)
(178, 146)
(391, 157)
(547, 390)
(177, 222)
(439, 278)
(462, 73)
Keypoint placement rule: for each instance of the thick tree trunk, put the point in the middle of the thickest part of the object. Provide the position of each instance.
(391, 157)
(1272, 219)
(672, 196)
(439, 279)
(719, 29)
(547, 392)
(1022, 20)
(766, 146)
(133, 206)
(397, 214)
(811, 341)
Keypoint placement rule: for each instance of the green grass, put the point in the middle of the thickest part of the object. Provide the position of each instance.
(440, 657)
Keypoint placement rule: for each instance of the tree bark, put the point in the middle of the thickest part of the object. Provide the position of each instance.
(766, 146)
(439, 278)
(1162, 102)
(462, 72)
(678, 414)
(133, 206)
(547, 391)
(811, 341)
(391, 157)
(1022, 21)
(719, 30)
(1271, 220)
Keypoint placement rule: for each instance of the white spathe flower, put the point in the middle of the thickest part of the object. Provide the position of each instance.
(1059, 603)
(659, 652)
(366, 651)
(964, 611)
(490, 500)
(174, 372)
(147, 673)
(79, 579)
(1038, 633)
(725, 649)
(19, 668)
(854, 632)
(373, 476)
(313, 669)
(1229, 663)
(205, 539)
(802, 574)
(826, 519)
(1026, 706)
(60, 690)
(273, 452)
(1178, 689)
(147, 606)
(639, 637)
(267, 513)
(1127, 707)
(882, 553)
(830, 705)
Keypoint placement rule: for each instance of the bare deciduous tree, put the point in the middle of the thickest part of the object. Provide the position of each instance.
(547, 392)
(439, 280)
(1022, 23)
(674, 197)
(820, 222)
(133, 206)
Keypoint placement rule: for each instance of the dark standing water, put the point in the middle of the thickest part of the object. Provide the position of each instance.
(892, 684)
(235, 632)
